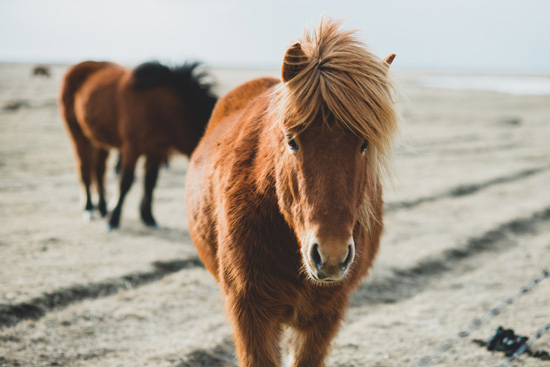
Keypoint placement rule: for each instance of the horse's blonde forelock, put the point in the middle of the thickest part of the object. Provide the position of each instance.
(342, 79)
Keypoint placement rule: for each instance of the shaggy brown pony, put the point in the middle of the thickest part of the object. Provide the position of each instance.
(284, 194)
(149, 111)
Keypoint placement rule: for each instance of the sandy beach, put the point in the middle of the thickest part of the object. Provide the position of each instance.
(467, 225)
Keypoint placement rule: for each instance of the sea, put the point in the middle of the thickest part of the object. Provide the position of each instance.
(517, 85)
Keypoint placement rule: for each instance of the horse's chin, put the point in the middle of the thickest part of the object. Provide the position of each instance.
(327, 283)
(330, 282)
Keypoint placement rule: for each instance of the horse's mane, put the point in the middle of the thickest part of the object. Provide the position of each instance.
(193, 87)
(344, 82)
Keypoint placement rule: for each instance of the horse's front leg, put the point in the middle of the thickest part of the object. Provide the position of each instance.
(126, 179)
(257, 331)
(310, 341)
(151, 174)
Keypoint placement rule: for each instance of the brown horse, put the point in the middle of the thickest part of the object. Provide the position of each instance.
(41, 70)
(284, 194)
(147, 111)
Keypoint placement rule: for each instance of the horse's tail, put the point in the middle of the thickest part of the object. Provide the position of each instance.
(193, 87)
(73, 80)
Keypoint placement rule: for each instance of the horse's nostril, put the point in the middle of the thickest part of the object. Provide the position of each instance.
(316, 256)
(347, 261)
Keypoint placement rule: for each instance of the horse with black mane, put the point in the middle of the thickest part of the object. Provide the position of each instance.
(149, 111)
(284, 194)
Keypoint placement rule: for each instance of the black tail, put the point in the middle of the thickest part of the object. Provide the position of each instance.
(192, 86)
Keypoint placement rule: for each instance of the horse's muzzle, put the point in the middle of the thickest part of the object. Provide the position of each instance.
(328, 262)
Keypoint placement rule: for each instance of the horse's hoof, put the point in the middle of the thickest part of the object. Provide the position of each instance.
(112, 224)
(152, 224)
(102, 210)
(148, 219)
(87, 216)
(111, 227)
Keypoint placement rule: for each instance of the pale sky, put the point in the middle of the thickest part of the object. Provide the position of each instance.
(439, 35)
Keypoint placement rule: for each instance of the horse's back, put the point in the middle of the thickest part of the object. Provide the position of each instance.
(153, 118)
(237, 99)
(77, 74)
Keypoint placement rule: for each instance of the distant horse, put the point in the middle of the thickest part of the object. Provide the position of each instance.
(41, 70)
(284, 195)
(147, 111)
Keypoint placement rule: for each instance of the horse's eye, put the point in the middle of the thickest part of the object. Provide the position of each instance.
(292, 143)
(364, 147)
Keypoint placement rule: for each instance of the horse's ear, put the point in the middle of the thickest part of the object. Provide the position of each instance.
(294, 62)
(389, 59)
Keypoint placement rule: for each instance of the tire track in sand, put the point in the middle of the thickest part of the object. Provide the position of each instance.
(39, 306)
(463, 190)
(402, 284)
(376, 291)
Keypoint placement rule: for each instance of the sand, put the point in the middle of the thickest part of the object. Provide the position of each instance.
(467, 225)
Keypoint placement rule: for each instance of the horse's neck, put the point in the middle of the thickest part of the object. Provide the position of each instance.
(266, 158)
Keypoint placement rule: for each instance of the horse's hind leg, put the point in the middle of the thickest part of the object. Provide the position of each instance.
(118, 163)
(126, 179)
(100, 165)
(151, 174)
(85, 153)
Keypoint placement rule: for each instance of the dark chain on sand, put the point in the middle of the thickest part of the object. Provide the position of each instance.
(476, 323)
(526, 346)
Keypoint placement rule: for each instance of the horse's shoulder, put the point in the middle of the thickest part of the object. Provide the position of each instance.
(240, 97)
